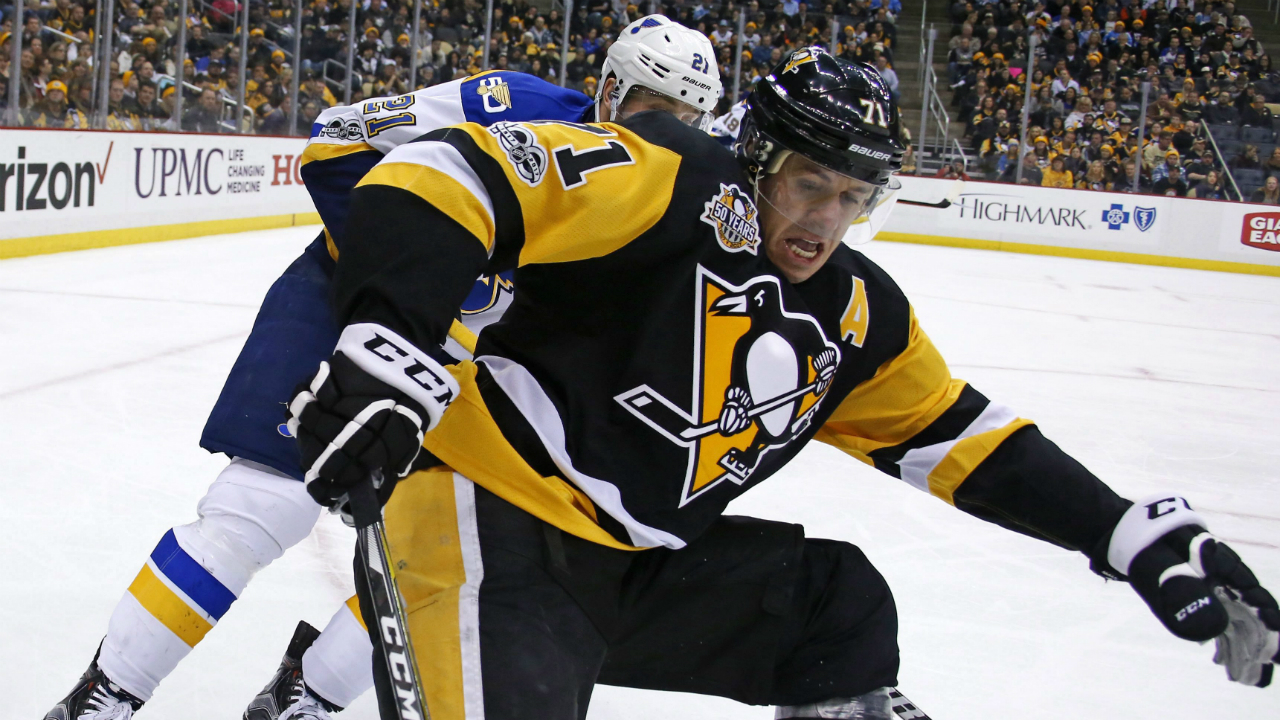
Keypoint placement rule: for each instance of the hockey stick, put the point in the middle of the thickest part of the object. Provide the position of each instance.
(698, 431)
(388, 606)
(904, 708)
(952, 195)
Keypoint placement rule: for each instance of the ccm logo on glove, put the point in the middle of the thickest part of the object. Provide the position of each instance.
(1163, 507)
(403, 366)
(1184, 612)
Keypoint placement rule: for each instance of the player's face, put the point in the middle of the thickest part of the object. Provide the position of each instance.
(641, 99)
(805, 211)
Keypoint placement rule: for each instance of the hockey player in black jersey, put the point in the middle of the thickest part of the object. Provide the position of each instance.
(559, 519)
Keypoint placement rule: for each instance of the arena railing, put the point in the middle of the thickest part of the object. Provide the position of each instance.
(337, 73)
(1217, 151)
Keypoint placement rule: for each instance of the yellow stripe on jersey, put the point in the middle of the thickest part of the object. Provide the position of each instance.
(563, 224)
(353, 604)
(327, 151)
(165, 605)
(965, 456)
(907, 394)
(462, 335)
(426, 547)
(330, 245)
(469, 441)
(440, 190)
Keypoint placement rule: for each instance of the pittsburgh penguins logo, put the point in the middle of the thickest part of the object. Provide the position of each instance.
(798, 58)
(761, 373)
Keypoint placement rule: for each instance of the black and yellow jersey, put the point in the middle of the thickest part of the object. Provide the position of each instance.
(655, 365)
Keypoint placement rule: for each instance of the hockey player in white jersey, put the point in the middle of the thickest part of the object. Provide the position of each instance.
(725, 128)
(257, 508)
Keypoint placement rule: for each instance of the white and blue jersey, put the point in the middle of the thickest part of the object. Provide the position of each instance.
(346, 142)
(294, 330)
(726, 127)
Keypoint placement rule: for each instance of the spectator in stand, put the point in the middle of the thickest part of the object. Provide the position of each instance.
(960, 60)
(955, 170)
(1272, 164)
(1040, 153)
(205, 116)
(1256, 112)
(1125, 182)
(1095, 178)
(1171, 184)
(1209, 188)
(890, 77)
(1056, 175)
(1031, 174)
(54, 112)
(1200, 167)
(1268, 194)
(1219, 109)
(1171, 160)
(119, 115)
(1008, 159)
(276, 122)
(909, 160)
(1247, 159)
(1156, 153)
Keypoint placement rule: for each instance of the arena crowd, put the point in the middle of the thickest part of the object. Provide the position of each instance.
(1211, 82)
(57, 74)
(1207, 72)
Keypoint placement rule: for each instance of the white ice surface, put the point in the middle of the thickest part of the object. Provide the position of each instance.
(1155, 378)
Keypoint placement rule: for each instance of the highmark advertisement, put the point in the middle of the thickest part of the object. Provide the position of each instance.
(58, 182)
(1086, 223)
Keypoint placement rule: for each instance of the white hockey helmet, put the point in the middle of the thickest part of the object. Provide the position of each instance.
(665, 57)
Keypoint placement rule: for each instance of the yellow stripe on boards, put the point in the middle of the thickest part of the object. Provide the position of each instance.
(440, 190)
(965, 456)
(1082, 253)
(353, 604)
(165, 606)
(92, 239)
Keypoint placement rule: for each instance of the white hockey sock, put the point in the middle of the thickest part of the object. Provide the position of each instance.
(339, 665)
(248, 518)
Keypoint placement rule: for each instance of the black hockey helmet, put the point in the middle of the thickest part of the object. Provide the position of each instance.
(837, 113)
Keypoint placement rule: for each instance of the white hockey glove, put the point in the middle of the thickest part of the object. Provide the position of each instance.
(365, 412)
(1197, 586)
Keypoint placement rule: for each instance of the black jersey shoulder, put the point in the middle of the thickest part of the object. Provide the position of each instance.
(665, 130)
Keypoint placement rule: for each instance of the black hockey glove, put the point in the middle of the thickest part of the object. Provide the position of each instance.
(364, 413)
(1197, 586)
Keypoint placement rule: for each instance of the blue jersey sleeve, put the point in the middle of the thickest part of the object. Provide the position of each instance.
(503, 95)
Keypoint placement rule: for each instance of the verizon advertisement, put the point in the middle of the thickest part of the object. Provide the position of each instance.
(1008, 216)
(56, 182)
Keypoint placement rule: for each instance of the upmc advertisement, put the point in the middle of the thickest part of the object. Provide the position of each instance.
(54, 182)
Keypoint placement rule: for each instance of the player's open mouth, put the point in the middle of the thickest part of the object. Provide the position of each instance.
(806, 249)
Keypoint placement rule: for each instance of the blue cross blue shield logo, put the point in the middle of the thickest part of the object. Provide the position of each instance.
(1115, 216)
(1144, 218)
